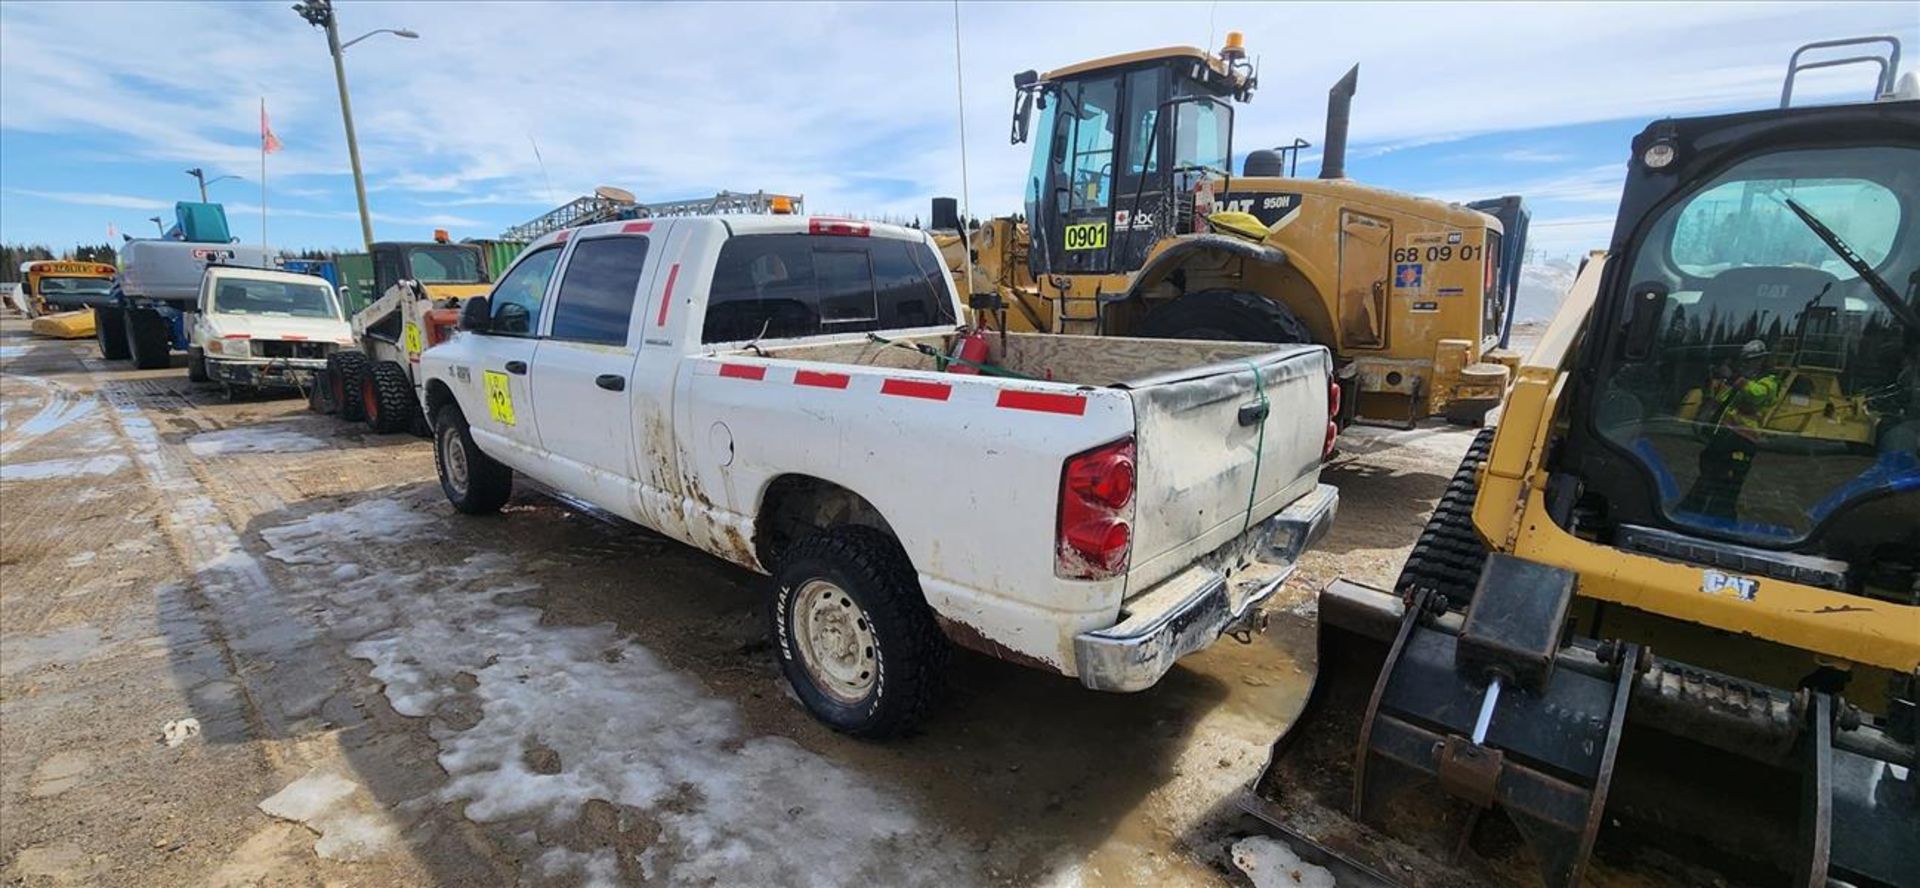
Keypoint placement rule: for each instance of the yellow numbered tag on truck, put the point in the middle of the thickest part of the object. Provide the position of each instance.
(499, 397)
(412, 337)
(1089, 236)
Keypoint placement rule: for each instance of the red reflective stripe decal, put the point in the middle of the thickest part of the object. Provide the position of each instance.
(821, 380)
(913, 388)
(561, 238)
(743, 371)
(292, 338)
(666, 298)
(236, 336)
(636, 228)
(1044, 402)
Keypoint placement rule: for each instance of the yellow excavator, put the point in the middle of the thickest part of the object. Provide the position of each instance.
(1673, 598)
(1135, 225)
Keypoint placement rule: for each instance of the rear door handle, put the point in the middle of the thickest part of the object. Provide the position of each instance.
(612, 382)
(517, 367)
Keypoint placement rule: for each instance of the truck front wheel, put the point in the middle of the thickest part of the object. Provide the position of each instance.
(110, 330)
(857, 641)
(473, 481)
(197, 365)
(148, 341)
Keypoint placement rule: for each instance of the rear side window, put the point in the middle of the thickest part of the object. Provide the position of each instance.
(597, 293)
(778, 286)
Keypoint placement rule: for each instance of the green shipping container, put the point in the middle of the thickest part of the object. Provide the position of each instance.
(496, 255)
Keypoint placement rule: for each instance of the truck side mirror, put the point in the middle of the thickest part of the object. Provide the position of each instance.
(1646, 302)
(476, 316)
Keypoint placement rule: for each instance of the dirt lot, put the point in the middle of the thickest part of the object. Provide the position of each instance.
(244, 644)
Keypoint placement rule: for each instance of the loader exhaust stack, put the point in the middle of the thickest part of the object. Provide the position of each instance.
(1333, 163)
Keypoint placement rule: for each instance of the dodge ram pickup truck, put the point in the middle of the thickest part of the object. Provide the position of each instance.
(782, 392)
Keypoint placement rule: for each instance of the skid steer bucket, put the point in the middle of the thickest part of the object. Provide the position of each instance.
(1387, 776)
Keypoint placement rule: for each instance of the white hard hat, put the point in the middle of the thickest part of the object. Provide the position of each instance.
(1753, 349)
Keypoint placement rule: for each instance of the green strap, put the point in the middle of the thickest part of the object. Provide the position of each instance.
(1259, 445)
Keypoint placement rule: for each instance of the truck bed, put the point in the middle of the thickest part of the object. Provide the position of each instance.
(1099, 361)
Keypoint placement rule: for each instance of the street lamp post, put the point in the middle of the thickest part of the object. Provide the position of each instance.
(319, 13)
(200, 175)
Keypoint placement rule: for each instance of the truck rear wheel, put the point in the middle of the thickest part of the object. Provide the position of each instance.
(386, 397)
(857, 641)
(110, 330)
(196, 365)
(1234, 315)
(343, 383)
(148, 342)
(473, 481)
(1449, 554)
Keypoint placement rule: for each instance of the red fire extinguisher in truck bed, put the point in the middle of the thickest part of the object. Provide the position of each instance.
(969, 352)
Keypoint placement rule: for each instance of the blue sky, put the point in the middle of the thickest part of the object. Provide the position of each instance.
(853, 105)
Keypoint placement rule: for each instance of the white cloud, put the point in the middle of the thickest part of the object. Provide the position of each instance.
(849, 104)
(97, 199)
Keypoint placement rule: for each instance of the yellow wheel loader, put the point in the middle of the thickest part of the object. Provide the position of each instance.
(1135, 225)
(1671, 602)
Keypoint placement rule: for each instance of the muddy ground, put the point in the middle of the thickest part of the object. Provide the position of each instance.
(244, 644)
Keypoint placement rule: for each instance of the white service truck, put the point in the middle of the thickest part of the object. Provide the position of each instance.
(776, 391)
(252, 328)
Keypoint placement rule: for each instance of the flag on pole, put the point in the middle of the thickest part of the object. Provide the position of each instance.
(113, 234)
(269, 142)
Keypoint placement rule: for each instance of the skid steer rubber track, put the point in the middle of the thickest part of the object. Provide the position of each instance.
(1449, 553)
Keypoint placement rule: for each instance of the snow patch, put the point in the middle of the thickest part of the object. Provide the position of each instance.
(1271, 863)
(624, 726)
(328, 804)
(303, 541)
(62, 468)
(12, 351)
(63, 408)
(252, 439)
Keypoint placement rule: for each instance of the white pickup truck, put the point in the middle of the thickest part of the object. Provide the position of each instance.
(255, 328)
(1096, 507)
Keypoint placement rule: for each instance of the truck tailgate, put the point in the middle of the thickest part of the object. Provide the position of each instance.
(1206, 450)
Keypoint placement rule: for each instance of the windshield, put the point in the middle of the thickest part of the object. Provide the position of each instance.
(68, 286)
(445, 264)
(278, 298)
(1203, 130)
(1773, 388)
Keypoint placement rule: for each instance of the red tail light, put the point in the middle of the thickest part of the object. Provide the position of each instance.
(1093, 540)
(846, 227)
(1333, 417)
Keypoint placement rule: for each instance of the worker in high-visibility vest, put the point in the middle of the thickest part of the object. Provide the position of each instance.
(1737, 400)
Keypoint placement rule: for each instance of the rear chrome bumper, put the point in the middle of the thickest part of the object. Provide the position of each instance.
(1191, 609)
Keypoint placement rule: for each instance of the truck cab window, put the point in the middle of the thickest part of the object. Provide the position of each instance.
(516, 300)
(597, 293)
(445, 264)
(1087, 120)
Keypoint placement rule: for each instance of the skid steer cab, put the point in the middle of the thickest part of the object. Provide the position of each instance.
(1137, 225)
(1675, 596)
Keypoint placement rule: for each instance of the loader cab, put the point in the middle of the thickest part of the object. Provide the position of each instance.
(437, 264)
(1752, 371)
(1119, 147)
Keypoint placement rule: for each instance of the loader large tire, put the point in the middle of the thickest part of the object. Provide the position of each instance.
(197, 365)
(856, 639)
(343, 383)
(1232, 315)
(386, 397)
(1449, 554)
(110, 330)
(148, 341)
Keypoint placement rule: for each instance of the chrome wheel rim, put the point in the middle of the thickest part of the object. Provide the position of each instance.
(453, 457)
(836, 642)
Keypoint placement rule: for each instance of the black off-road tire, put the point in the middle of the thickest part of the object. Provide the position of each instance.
(197, 365)
(343, 383)
(909, 653)
(1449, 554)
(110, 331)
(386, 397)
(148, 342)
(488, 484)
(1222, 314)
